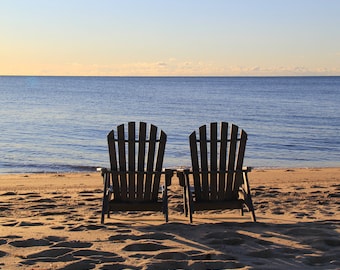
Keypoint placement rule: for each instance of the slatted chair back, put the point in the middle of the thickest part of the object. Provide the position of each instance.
(137, 158)
(217, 154)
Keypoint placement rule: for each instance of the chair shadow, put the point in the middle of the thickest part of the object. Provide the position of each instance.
(257, 245)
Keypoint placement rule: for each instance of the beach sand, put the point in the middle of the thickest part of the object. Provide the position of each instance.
(52, 221)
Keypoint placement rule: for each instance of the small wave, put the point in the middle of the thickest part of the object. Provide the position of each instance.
(45, 168)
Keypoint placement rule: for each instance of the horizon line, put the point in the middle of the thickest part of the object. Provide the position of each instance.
(169, 76)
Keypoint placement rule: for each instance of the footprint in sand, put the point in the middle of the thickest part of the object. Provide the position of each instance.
(334, 195)
(51, 254)
(10, 223)
(154, 236)
(30, 242)
(30, 195)
(278, 211)
(145, 246)
(2, 253)
(89, 196)
(178, 256)
(28, 224)
(225, 238)
(9, 193)
(317, 186)
(54, 213)
(73, 244)
(87, 228)
(83, 264)
(12, 237)
(101, 256)
(170, 264)
(116, 266)
(216, 265)
(55, 238)
(57, 227)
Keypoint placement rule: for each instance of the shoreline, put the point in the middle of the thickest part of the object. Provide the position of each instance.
(254, 168)
(52, 221)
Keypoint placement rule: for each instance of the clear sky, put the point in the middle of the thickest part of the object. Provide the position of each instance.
(170, 37)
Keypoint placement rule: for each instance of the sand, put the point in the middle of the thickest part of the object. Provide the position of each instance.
(52, 221)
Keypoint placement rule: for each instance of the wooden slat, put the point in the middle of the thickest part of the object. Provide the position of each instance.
(240, 157)
(141, 160)
(159, 165)
(231, 161)
(213, 161)
(242, 149)
(223, 160)
(150, 162)
(113, 163)
(195, 165)
(131, 159)
(160, 154)
(122, 161)
(112, 150)
(204, 161)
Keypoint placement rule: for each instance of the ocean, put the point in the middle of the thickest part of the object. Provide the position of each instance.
(59, 124)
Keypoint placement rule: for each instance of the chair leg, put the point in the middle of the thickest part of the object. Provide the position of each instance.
(248, 200)
(165, 203)
(251, 208)
(185, 201)
(190, 216)
(102, 217)
(249, 204)
(166, 216)
(105, 203)
(105, 207)
(107, 196)
(189, 199)
(253, 215)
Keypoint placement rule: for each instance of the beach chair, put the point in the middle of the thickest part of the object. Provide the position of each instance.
(133, 182)
(217, 179)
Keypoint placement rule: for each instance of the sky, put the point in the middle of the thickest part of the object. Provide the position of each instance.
(170, 37)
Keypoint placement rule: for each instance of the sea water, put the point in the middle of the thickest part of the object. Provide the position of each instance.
(59, 124)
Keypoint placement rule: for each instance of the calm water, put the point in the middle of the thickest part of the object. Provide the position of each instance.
(51, 124)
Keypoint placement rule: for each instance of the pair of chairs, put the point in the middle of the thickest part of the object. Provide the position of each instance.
(217, 179)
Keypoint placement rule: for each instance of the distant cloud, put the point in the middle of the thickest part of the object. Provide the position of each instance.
(162, 64)
(170, 67)
(281, 71)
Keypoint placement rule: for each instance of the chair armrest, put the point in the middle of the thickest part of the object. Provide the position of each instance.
(181, 176)
(102, 170)
(247, 169)
(168, 176)
(168, 173)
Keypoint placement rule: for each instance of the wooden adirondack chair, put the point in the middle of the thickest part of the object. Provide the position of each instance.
(133, 182)
(218, 177)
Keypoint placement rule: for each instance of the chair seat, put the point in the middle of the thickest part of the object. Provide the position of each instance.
(136, 206)
(218, 205)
